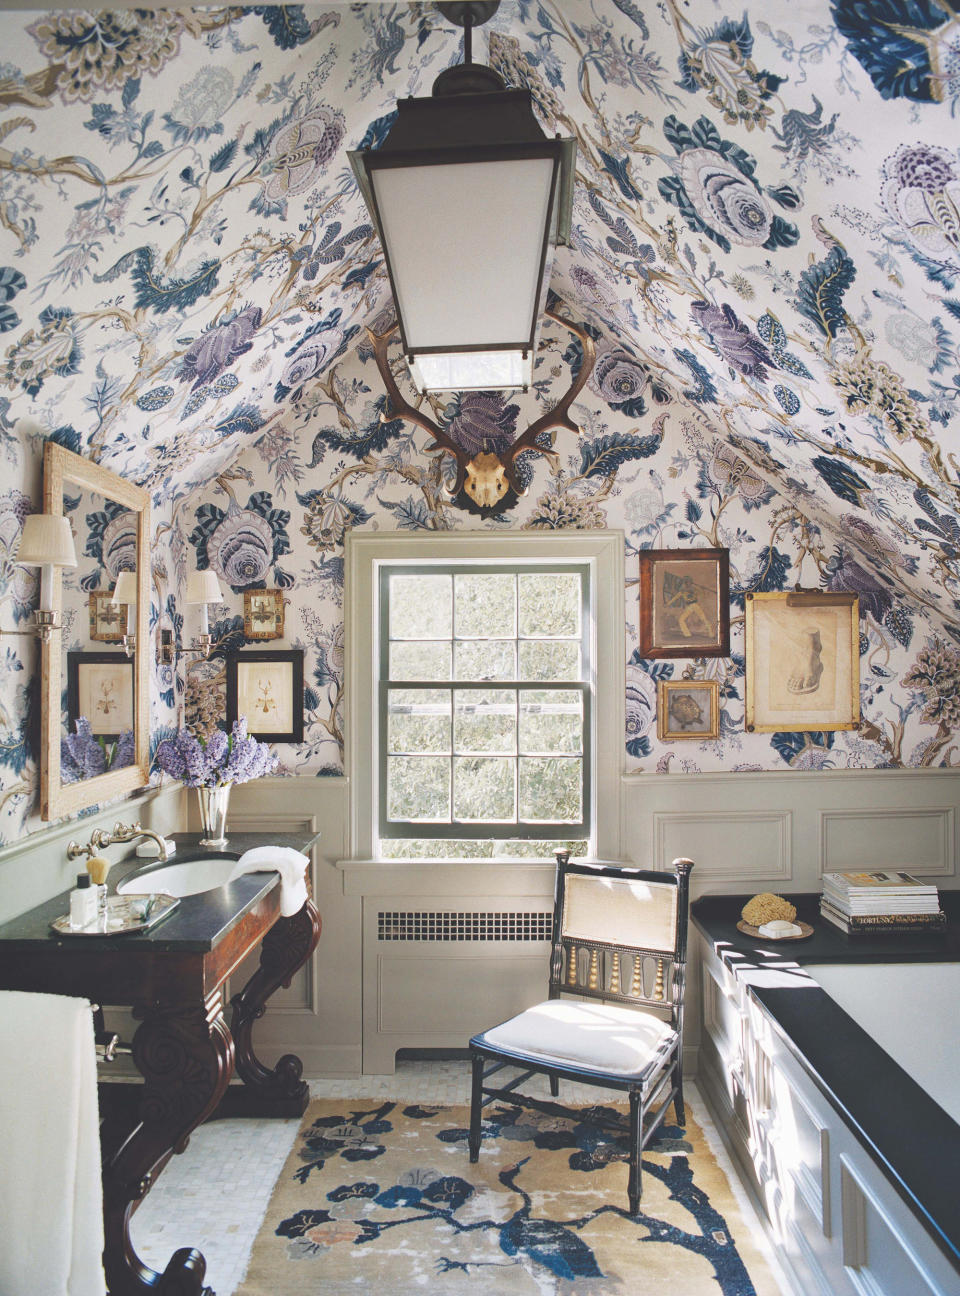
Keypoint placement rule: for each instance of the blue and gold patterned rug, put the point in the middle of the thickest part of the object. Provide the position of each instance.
(382, 1198)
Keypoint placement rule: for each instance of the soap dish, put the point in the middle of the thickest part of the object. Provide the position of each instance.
(125, 914)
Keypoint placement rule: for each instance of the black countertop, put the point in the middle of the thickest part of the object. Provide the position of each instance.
(197, 924)
(915, 1142)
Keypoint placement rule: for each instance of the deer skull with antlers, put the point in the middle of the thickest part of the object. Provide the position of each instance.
(487, 478)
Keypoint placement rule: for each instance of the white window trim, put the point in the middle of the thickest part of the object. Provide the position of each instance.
(365, 551)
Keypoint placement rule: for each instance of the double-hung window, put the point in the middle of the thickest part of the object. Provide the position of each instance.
(485, 701)
(476, 675)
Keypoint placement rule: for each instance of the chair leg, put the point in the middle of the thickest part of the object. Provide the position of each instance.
(476, 1103)
(678, 1099)
(634, 1185)
(554, 1086)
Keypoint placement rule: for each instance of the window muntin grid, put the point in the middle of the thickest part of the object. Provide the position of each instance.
(462, 759)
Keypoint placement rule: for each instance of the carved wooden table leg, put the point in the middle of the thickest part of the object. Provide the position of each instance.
(185, 1055)
(280, 1092)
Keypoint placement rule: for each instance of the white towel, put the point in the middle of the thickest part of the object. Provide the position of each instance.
(51, 1193)
(290, 864)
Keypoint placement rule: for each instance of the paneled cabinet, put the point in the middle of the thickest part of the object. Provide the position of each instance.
(838, 1222)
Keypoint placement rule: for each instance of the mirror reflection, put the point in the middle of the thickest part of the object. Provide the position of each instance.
(99, 603)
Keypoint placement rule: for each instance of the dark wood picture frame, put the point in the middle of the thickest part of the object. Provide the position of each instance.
(117, 612)
(277, 694)
(121, 664)
(255, 624)
(684, 602)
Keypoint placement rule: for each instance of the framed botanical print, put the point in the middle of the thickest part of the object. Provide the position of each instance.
(803, 661)
(684, 603)
(108, 620)
(100, 688)
(688, 709)
(266, 687)
(263, 614)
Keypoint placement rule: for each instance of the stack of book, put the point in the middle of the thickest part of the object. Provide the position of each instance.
(880, 904)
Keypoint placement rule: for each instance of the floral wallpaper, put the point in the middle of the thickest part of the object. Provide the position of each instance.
(766, 241)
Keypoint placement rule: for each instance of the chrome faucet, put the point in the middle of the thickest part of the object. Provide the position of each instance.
(100, 838)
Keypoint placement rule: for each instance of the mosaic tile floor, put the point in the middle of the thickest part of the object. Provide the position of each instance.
(214, 1195)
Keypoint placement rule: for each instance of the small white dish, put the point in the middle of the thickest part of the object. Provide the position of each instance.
(779, 929)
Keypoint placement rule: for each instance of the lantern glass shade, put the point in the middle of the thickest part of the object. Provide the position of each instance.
(46, 541)
(125, 590)
(203, 587)
(469, 198)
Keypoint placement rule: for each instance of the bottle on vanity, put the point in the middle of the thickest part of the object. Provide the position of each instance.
(83, 902)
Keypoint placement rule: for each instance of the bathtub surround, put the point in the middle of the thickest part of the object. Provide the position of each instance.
(851, 1157)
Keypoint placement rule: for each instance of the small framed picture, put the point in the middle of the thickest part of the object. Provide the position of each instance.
(803, 661)
(267, 688)
(688, 709)
(263, 614)
(108, 621)
(100, 688)
(684, 603)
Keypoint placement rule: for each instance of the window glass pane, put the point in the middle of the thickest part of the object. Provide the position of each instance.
(418, 788)
(549, 604)
(421, 607)
(476, 848)
(549, 659)
(418, 660)
(550, 789)
(484, 789)
(486, 606)
(418, 720)
(485, 720)
(551, 722)
(485, 659)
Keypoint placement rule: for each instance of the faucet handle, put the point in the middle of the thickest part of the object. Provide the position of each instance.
(75, 850)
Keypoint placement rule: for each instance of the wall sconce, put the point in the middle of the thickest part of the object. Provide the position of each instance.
(46, 541)
(202, 588)
(471, 165)
(125, 594)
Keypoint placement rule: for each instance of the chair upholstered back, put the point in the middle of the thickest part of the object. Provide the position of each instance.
(620, 934)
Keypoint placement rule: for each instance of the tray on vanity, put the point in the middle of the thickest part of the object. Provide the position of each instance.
(804, 933)
(125, 916)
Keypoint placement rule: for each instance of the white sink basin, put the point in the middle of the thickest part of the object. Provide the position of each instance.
(181, 878)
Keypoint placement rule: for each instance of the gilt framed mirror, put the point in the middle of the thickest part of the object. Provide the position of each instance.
(94, 689)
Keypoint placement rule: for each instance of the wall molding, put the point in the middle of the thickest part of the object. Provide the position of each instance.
(778, 867)
(942, 816)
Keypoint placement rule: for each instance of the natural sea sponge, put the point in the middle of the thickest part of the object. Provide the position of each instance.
(765, 907)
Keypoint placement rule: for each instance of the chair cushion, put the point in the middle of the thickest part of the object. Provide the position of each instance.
(595, 1036)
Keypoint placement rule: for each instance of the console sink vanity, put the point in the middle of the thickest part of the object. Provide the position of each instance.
(172, 976)
(840, 1107)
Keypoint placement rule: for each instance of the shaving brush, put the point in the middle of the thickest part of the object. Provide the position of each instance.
(98, 867)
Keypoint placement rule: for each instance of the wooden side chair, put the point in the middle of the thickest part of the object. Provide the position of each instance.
(615, 1013)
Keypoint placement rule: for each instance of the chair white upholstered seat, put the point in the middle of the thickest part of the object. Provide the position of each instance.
(593, 1036)
(615, 1013)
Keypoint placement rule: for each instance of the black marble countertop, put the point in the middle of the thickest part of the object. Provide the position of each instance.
(915, 1142)
(198, 923)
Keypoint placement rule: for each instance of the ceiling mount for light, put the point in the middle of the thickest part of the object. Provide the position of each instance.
(469, 198)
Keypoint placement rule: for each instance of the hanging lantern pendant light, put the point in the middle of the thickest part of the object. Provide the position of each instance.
(469, 198)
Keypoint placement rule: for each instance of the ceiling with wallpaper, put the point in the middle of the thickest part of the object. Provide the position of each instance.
(766, 230)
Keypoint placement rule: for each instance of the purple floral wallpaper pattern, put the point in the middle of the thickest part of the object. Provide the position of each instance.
(764, 241)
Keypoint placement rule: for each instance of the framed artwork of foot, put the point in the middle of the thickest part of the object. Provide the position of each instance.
(803, 661)
(684, 603)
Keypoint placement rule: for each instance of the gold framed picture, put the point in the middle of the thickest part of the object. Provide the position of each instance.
(108, 621)
(684, 603)
(263, 614)
(688, 709)
(803, 661)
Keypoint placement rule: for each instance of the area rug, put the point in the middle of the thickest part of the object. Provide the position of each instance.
(380, 1197)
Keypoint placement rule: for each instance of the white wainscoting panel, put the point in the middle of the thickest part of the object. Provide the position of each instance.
(726, 844)
(919, 840)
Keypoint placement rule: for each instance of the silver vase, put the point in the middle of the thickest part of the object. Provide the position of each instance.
(213, 814)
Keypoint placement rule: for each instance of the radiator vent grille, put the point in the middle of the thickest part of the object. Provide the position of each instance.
(443, 925)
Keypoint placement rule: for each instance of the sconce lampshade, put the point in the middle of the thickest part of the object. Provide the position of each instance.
(46, 541)
(469, 197)
(203, 587)
(125, 590)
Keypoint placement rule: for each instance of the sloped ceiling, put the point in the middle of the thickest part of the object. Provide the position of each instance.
(767, 226)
